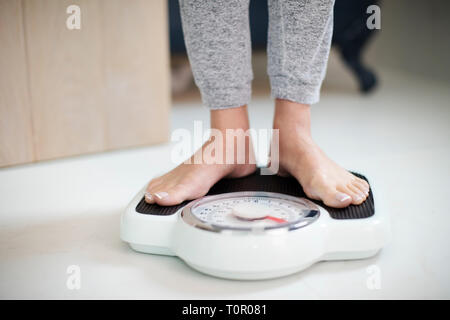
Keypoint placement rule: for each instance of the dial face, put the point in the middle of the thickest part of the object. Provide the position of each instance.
(251, 211)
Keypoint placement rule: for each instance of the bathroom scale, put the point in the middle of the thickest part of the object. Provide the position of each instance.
(256, 227)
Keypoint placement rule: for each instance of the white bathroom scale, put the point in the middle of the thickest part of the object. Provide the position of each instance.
(256, 227)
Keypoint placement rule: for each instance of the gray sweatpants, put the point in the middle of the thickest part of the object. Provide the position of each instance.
(217, 38)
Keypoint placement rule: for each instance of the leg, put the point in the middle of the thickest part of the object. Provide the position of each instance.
(217, 36)
(218, 43)
(299, 40)
(299, 43)
(321, 178)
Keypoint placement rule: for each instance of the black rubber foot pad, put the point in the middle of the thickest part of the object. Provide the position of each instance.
(274, 183)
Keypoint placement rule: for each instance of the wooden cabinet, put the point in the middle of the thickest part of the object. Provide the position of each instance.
(74, 91)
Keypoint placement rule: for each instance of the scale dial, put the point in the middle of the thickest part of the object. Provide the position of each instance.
(250, 211)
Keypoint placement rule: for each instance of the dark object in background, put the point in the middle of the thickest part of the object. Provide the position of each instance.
(350, 34)
(175, 28)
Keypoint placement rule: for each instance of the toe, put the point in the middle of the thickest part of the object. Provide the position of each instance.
(363, 182)
(165, 198)
(171, 196)
(337, 199)
(149, 198)
(151, 189)
(362, 185)
(358, 195)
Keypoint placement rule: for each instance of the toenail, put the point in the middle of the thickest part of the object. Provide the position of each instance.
(161, 195)
(342, 197)
(148, 196)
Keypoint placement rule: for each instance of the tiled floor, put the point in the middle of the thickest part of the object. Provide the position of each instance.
(66, 212)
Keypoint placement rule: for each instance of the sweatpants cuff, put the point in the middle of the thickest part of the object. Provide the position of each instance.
(225, 98)
(285, 88)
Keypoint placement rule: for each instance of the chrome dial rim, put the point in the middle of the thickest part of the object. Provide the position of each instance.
(308, 212)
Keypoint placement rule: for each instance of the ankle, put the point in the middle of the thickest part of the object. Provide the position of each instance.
(233, 118)
(291, 116)
(232, 129)
(227, 148)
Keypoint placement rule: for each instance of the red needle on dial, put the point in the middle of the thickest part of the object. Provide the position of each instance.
(279, 220)
(252, 211)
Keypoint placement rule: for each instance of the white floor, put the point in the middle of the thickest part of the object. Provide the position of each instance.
(66, 212)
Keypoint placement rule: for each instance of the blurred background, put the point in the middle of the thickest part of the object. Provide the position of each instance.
(112, 83)
(122, 83)
(413, 39)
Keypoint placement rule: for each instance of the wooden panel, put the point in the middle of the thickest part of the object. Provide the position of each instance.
(136, 60)
(16, 144)
(65, 78)
(101, 87)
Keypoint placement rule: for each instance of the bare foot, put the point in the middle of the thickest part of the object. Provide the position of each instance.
(193, 180)
(321, 178)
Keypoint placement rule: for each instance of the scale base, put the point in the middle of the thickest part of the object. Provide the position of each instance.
(143, 248)
(264, 275)
(354, 232)
(233, 275)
